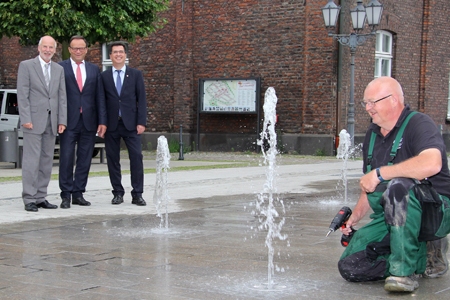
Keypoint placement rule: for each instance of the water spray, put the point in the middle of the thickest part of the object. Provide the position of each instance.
(266, 204)
(160, 196)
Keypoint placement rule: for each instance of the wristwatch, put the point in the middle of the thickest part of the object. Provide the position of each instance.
(379, 175)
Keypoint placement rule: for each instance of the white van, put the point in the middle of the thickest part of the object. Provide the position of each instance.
(9, 118)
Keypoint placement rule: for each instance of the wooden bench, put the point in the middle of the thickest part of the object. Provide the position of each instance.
(101, 146)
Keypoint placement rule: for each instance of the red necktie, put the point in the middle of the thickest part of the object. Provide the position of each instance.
(79, 78)
(79, 81)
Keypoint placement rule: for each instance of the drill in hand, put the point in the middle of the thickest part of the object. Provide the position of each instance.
(339, 221)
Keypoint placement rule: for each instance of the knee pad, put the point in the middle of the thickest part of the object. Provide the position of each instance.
(395, 201)
(358, 268)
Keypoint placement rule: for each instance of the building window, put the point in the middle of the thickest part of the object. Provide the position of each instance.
(106, 61)
(383, 54)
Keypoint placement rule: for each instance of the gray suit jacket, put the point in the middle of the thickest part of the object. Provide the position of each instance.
(35, 100)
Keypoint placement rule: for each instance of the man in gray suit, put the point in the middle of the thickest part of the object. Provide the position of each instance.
(41, 95)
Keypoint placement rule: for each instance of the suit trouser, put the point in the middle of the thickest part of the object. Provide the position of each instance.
(71, 182)
(112, 146)
(37, 163)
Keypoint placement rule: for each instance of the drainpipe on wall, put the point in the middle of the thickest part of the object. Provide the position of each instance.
(339, 77)
(423, 56)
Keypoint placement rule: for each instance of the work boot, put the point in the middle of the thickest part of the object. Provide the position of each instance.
(437, 262)
(401, 284)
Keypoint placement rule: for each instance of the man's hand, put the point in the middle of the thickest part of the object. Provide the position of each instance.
(28, 125)
(101, 129)
(347, 229)
(360, 210)
(369, 182)
(61, 128)
(140, 129)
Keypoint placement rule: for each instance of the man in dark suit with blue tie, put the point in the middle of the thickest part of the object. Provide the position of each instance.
(126, 108)
(86, 116)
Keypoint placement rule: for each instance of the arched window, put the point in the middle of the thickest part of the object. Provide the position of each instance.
(383, 54)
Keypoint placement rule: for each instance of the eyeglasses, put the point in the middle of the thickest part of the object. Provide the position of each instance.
(372, 103)
(78, 49)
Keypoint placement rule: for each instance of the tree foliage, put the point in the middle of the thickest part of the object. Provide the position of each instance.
(97, 20)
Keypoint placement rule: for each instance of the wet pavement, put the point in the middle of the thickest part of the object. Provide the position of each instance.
(212, 248)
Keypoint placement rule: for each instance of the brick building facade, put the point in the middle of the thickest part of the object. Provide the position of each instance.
(285, 44)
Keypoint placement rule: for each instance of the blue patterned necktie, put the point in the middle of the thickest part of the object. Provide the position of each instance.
(118, 82)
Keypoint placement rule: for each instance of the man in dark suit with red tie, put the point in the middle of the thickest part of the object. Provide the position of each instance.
(86, 116)
(126, 108)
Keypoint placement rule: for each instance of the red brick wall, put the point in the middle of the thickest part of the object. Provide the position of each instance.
(286, 45)
(225, 39)
(253, 39)
(11, 54)
(406, 64)
(436, 62)
(421, 58)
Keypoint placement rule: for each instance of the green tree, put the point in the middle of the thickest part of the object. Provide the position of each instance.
(97, 20)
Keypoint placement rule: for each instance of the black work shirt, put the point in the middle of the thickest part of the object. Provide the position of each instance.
(420, 134)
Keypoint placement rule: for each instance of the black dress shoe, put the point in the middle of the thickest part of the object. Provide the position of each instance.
(117, 199)
(81, 201)
(31, 207)
(139, 201)
(65, 203)
(46, 204)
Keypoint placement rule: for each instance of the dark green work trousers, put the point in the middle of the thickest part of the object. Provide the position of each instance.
(389, 244)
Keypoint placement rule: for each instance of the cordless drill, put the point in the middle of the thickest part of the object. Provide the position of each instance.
(339, 221)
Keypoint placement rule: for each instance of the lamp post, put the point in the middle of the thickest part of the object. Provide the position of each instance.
(372, 12)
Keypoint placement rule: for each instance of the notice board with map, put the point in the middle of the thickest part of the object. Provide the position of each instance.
(230, 95)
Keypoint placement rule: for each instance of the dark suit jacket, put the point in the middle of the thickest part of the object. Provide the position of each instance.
(91, 99)
(132, 100)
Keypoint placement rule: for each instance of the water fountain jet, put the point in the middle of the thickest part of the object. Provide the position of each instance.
(161, 196)
(267, 204)
(343, 152)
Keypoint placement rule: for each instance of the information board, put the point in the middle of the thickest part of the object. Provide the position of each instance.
(229, 95)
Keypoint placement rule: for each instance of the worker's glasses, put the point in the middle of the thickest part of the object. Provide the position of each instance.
(372, 103)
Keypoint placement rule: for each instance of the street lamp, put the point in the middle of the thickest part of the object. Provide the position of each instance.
(372, 12)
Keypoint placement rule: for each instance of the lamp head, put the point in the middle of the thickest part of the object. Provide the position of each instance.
(374, 10)
(358, 16)
(330, 14)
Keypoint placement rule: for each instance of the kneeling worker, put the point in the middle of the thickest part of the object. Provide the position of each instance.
(405, 163)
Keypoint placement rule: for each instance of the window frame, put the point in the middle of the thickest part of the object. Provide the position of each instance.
(11, 106)
(383, 55)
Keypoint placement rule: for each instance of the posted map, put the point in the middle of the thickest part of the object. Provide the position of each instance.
(229, 95)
